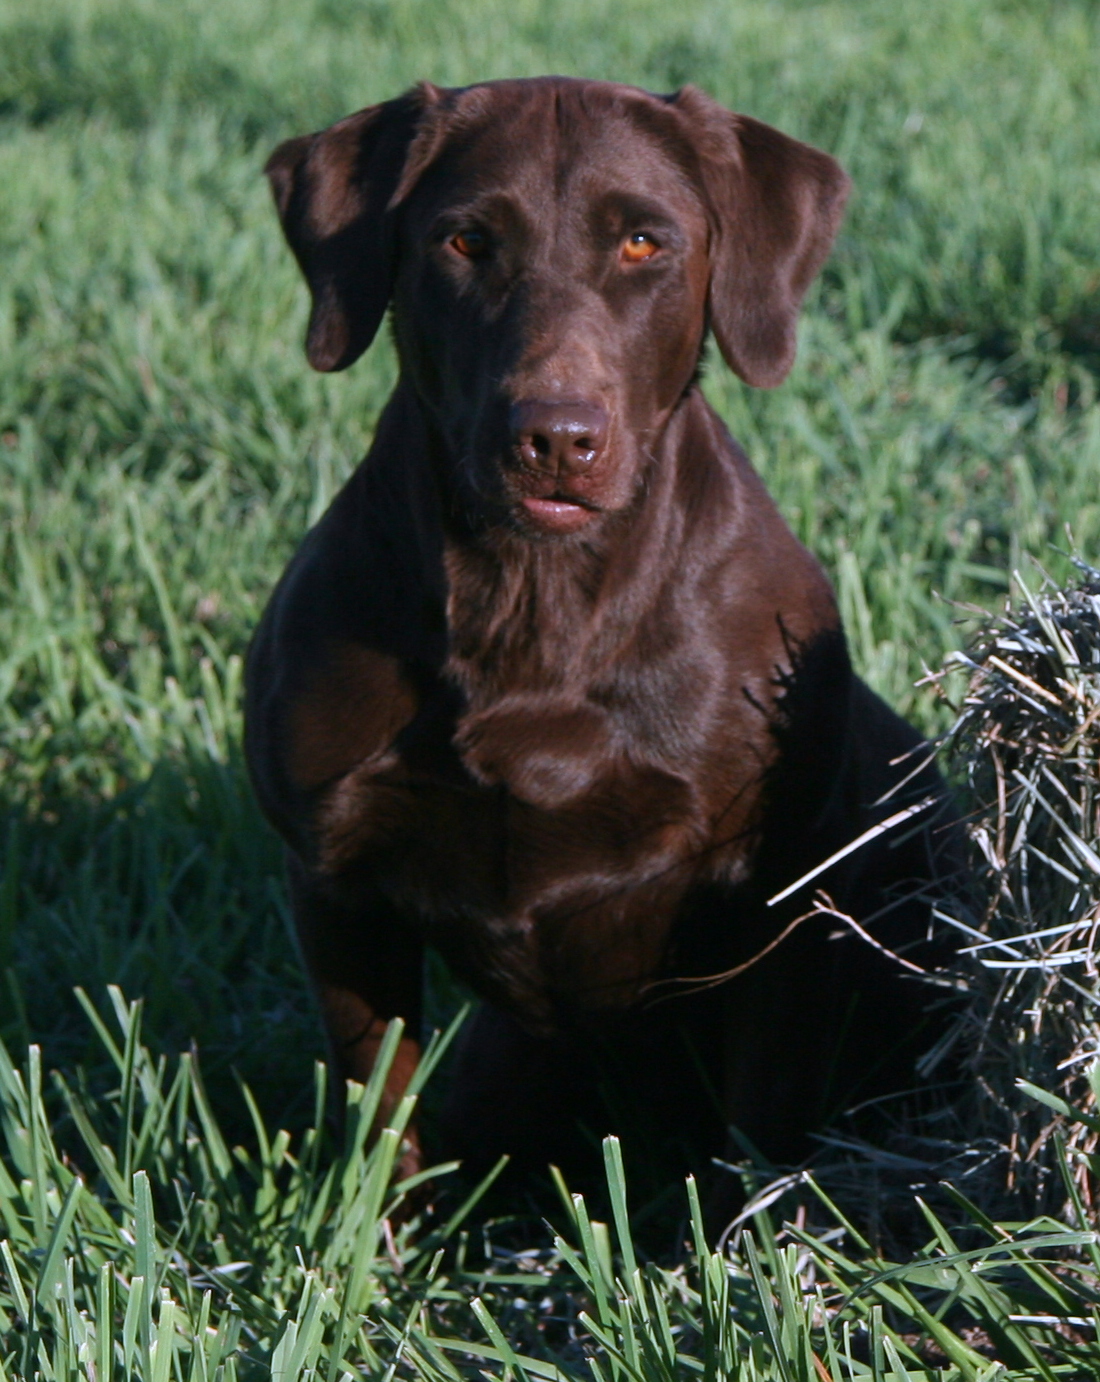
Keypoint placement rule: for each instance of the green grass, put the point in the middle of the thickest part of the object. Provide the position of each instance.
(163, 445)
(180, 1258)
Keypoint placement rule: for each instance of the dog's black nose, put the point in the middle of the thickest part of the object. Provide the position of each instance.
(559, 438)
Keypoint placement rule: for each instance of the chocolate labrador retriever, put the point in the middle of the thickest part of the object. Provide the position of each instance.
(552, 687)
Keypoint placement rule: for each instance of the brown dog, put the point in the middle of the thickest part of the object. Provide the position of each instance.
(552, 687)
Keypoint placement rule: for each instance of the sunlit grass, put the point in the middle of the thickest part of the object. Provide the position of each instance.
(178, 1257)
(163, 447)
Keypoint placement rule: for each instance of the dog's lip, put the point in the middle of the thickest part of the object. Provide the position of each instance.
(557, 513)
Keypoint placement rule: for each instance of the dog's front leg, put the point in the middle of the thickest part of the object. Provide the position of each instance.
(366, 965)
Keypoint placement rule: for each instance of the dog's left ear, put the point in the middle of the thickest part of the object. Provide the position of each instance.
(776, 206)
(333, 192)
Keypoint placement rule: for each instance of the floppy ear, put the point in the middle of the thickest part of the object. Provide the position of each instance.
(333, 192)
(776, 206)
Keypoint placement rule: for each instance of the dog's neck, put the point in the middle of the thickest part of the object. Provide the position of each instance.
(547, 613)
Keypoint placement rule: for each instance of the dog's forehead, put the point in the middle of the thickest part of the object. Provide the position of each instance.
(560, 137)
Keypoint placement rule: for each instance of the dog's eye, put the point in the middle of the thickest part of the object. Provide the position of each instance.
(471, 244)
(638, 247)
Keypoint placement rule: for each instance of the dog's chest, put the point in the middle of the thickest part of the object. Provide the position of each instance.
(505, 805)
(552, 795)
(542, 852)
(540, 909)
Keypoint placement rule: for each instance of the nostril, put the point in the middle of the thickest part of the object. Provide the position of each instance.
(557, 437)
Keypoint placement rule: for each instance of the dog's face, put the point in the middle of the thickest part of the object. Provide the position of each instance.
(550, 300)
(555, 250)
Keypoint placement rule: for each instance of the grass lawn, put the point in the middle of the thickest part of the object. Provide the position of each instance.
(163, 447)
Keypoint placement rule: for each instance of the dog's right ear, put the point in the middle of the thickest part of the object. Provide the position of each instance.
(333, 193)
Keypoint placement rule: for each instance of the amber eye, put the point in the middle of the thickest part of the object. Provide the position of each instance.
(471, 244)
(639, 247)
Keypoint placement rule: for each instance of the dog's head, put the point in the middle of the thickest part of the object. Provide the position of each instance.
(555, 251)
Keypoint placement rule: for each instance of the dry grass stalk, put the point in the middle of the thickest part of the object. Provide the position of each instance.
(1027, 740)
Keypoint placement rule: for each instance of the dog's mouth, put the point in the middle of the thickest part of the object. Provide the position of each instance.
(557, 513)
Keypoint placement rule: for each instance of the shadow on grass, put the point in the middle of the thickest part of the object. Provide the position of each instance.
(172, 890)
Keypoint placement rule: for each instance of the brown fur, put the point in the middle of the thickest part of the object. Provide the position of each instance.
(552, 687)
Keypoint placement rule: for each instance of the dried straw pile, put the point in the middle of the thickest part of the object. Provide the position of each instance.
(1027, 741)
